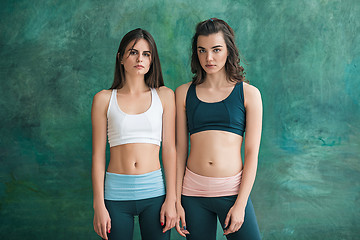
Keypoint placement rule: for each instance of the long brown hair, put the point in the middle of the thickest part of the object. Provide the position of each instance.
(234, 71)
(153, 78)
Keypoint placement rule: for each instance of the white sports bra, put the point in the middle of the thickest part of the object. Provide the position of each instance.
(125, 128)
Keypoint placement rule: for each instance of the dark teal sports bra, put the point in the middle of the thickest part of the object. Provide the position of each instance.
(226, 115)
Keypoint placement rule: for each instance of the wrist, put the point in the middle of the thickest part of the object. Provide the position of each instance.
(240, 204)
(170, 199)
(98, 204)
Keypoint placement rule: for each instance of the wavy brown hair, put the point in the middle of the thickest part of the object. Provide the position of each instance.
(234, 71)
(153, 78)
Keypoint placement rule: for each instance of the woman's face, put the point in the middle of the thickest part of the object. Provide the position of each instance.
(212, 52)
(137, 58)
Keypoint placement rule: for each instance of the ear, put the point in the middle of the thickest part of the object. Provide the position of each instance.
(118, 56)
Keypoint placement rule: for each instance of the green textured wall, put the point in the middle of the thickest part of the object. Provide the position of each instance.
(303, 55)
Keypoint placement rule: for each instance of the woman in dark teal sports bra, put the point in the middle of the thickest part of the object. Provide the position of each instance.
(216, 109)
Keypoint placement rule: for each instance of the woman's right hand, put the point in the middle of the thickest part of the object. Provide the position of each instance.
(181, 218)
(102, 222)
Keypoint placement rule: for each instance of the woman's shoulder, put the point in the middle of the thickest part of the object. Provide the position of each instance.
(250, 89)
(165, 92)
(251, 93)
(182, 89)
(103, 96)
(166, 95)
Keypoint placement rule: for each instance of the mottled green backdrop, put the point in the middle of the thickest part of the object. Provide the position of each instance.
(304, 56)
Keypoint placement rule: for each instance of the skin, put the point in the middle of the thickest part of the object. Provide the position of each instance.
(136, 158)
(216, 153)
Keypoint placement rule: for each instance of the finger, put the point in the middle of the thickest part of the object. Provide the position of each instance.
(167, 226)
(185, 231)
(177, 227)
(98, 230)
(173, 223)
(103, 231)
(183, 222)
(227, 219)
(232, 228)
(162, 218)
(108, 229)
(229, 229)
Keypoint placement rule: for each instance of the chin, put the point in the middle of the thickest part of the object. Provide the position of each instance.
(211, 71)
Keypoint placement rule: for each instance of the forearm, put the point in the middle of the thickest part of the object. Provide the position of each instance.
(180, 172)
(247, 180)
(169, 164)
(98, 173)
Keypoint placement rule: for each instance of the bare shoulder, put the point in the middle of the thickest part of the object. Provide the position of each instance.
(102, 97)
(103, 94)
(165, 92)
(252, 95)
(166, 96)
(182, 89)
(251, 91)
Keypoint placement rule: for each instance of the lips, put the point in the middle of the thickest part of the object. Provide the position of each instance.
(210, 65)
(139, 66)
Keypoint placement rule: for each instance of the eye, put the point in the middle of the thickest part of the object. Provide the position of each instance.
(217, 50)
(201, 50)
(146, 54)
(132, 52)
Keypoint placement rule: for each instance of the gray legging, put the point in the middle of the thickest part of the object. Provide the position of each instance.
(122, 218)
(201, 218)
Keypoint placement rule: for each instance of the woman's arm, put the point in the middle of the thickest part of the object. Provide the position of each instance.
(182, 147)
(253, 106)
(102, 223)
(168, 210)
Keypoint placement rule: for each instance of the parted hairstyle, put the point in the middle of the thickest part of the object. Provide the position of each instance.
(153, 78)
(234, 71)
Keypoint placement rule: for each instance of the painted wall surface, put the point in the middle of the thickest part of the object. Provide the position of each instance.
(303, 55)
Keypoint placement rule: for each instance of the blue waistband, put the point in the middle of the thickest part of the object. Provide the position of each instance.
(122, 187)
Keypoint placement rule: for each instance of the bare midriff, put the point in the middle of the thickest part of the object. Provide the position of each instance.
(215, 153)
(134, 158)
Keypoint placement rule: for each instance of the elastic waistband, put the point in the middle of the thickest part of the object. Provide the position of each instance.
(122, 187)
(202, 186)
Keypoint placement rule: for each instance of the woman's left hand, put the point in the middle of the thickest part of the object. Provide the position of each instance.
(236, 218)
(168, 215)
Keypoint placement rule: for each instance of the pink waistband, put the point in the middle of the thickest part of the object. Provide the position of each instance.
(201, 186)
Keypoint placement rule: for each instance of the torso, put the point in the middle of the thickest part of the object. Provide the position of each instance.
(134, 158)
(215, 153)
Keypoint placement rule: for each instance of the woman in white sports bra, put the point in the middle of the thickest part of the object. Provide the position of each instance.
(136, 114)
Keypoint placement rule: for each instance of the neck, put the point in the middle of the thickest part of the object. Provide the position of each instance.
(134, 84)
(218, 79)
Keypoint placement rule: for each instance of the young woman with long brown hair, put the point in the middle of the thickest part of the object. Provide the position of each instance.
(215, 109)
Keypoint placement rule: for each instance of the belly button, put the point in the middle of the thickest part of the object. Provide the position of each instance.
(211, 163)
(135, 163)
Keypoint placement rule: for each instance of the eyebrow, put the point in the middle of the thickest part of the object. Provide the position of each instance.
(133, 49)
(211, 47)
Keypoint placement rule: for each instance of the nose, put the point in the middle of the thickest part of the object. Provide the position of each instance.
(209, 56)
(139, 58)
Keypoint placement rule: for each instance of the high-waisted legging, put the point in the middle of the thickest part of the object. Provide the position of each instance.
(201, 218)
(122, 219)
